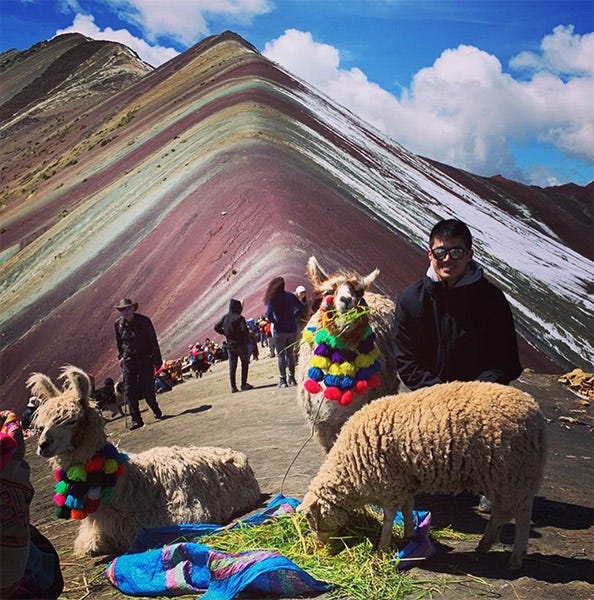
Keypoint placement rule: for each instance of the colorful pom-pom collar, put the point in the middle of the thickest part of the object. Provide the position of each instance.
(82, 487)
(342, 365)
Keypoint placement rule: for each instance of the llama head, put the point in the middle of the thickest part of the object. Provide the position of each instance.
(63, 415)
(347, 288)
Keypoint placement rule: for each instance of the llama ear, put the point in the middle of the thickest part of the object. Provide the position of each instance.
(41, 386)
(76, 379)
(367, 281)
(314, 272)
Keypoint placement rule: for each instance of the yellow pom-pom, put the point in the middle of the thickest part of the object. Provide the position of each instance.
(345, 369)
(308, 337)
(321, 362)
(111, 466)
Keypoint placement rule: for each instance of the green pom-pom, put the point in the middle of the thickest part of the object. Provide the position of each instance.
(107, 494)
(61, 487)
(63, 512)
(321, 336)
(77, 473)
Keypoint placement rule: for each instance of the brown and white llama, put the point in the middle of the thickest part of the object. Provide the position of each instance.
(114, 494)
(347, 309)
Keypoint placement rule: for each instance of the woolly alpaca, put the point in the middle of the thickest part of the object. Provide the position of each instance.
(346, 290)
(475, 436)
(162, 486)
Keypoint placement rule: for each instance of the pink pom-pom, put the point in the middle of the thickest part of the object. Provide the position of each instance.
(360, 387)
(60, 499)
(332, 393)
(312, 386)
(346, 398)
(59, 474)
(374, 381)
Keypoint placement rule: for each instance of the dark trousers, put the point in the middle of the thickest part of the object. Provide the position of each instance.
(139, 382)
(241, 353)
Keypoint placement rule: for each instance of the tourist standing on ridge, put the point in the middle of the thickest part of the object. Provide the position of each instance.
(234, 327)
(283, 310)
(139, 355)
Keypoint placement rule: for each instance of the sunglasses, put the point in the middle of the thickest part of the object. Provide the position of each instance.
(455, 253)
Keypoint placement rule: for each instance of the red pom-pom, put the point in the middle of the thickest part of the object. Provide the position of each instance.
(327, 302)
(346, 398)
(60, 499)
(312, 386)
(360, 387)
(91, 505)
(78, 515)
(121, 469)
(332, 393)
(374, 381)
(95, 464)
(59, 474)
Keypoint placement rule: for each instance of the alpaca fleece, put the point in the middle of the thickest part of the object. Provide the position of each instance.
(480, 437)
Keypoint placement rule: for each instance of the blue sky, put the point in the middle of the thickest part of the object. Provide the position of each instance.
(490, 86)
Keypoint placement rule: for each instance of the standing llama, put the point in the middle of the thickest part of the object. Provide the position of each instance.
(114, 494)
(346, 356)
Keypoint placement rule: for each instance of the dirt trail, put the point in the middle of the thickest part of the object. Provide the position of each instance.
(268, 426)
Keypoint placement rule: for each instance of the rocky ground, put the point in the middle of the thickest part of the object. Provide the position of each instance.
(267, 425)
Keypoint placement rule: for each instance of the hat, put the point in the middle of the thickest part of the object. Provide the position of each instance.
(300, 289)
(126, 303)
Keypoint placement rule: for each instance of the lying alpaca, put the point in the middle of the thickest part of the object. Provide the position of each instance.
(346, 296)
(159, 487)
(476, 436)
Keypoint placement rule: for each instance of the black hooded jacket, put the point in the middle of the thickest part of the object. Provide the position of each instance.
(233, 326)
(464, 333)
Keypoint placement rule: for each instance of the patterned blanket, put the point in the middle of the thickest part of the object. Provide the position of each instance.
(175, 567)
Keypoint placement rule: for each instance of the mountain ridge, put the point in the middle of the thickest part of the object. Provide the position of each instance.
(215, 172)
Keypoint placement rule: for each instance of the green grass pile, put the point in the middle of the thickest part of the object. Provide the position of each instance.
(349, 562)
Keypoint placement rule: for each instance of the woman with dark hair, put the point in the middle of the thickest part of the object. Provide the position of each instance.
(283, 310)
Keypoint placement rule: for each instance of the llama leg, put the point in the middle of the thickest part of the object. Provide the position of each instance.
(407, 512)
(522, 516)
(493, 530)
(386, 535)
(87, 542)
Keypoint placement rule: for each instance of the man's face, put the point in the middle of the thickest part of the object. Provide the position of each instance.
(301, 296)
(127, 313)
(449, 269)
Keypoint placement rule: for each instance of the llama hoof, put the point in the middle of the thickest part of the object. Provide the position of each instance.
(514, 563)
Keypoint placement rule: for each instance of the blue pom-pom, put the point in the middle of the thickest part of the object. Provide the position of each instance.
(315, 373)
(346, 383)
(332, 380)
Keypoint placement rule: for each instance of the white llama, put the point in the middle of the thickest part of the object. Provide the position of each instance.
(115, 495)
(346, 311)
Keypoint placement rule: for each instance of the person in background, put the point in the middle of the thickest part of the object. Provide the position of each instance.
(234, 327)
(283, 310)
(139, 355)
(454, 324)
(301, 294)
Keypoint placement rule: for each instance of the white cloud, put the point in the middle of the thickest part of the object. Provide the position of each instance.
(153, 55)
(464, 110)
(186, 20)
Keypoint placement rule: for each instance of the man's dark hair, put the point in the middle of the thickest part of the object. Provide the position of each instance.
(448, 229)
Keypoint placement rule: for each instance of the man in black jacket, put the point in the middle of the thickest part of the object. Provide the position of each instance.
(453, 324)
(234, 327)
(139, 354)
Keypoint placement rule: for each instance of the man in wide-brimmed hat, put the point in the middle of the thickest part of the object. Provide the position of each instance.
(139, 354)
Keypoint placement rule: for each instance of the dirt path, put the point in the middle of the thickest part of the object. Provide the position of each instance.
(267, 425)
